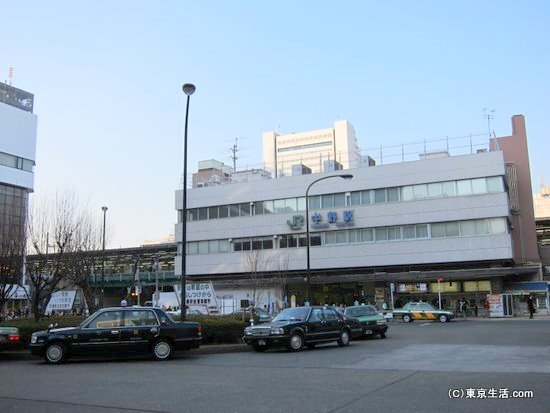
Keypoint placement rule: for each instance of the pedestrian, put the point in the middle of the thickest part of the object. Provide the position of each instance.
(531, 305)
(461, 307)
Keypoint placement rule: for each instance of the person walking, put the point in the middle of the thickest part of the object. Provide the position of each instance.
(531, 305)
(461, 307)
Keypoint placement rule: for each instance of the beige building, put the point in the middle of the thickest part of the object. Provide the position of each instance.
(541, 201)
(317, 150)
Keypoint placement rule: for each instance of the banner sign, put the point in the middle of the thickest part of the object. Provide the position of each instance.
(61, 301)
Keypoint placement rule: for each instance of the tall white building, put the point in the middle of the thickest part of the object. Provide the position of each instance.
(316, 149)
(17, 160)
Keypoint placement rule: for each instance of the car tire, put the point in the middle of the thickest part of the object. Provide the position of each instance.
(407, 318)
(344, 338)
(383, 335)
(162, 350)
(443, 318)
(259, 349)
(55, 353)
(296, 342)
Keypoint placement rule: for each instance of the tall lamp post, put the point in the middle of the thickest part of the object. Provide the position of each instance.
(104, 209)
(308, 241)
(188, 89)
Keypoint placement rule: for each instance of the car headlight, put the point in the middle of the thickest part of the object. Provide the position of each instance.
(34, 339)
(247, 331)
(381, 322)
(277, 331)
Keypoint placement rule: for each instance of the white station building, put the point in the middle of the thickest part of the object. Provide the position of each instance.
(462, 225)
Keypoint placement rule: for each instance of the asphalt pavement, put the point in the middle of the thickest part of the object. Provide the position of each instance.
(461, 366)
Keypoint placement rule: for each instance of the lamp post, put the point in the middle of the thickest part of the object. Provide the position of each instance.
(308, 268)
(188, 89)
(104, 209)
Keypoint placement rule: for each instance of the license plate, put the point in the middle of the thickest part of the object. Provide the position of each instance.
(261, 342)
(368, 332)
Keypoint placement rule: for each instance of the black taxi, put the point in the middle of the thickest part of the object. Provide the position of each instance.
(118, 331)
(297, 327)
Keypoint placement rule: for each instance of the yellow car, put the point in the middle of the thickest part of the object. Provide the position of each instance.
(421, 311)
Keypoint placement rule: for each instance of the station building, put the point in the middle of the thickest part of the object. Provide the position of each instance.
(460, 225)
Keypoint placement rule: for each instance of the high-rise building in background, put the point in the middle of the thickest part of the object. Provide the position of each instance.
(17, 159)
(320, 150)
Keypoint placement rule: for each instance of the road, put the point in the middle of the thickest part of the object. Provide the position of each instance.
(415, 369)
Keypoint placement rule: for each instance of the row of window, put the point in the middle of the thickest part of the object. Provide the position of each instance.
(17, 162)
(488, 226)
(435, 190)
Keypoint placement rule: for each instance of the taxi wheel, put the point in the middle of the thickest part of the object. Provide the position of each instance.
(296, 342)
(407, 318)
(344, 338)
(443, 318)
(162, 350)
(55, 353)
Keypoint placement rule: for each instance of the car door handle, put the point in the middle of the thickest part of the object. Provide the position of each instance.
(114, 331)
(323, 322)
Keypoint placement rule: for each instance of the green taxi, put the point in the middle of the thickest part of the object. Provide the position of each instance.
(421, 311)
(372, 322)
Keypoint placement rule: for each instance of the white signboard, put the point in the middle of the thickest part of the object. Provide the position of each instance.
(199, 295)
(17, 292)
(61, 301)
(496, 308)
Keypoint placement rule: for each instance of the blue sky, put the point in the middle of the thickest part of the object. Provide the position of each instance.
(107, 81)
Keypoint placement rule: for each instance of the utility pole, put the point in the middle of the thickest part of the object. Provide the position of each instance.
(234, 149)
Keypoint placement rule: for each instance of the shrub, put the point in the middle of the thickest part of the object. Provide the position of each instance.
(215, 329)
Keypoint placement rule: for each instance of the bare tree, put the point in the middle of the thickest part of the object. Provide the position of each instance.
(281, 275)
(256, 262)
(65, 226)
(83, 258)
(11, 265)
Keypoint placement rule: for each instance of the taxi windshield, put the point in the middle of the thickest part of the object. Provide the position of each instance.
(293, 314)
(360, 311)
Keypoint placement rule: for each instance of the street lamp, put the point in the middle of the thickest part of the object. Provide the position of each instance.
(104, 209)
(188, 89)
(308, 268)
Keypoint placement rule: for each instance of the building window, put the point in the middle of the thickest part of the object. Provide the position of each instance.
(366, 197)
(314, 202)
(464, 187)
(223, 211)
(379, 196)
(494, 184)
(434, 190)
(339, 200)
(393, 194)
(356, 198)
(326, 201)
(213, 212)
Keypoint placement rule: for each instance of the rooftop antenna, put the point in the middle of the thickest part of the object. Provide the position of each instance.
(10, 75)
(489, 115)
(234, 157)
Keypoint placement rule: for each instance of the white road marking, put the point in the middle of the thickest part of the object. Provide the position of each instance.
(425, 324)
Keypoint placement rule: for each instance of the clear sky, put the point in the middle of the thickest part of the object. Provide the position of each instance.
(107, 79)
